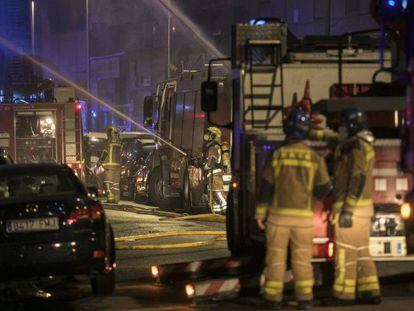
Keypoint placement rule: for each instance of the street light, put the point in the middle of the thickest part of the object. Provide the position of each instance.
(32, 25)
(88, 65)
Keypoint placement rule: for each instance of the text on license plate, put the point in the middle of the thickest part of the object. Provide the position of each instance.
(34, 224)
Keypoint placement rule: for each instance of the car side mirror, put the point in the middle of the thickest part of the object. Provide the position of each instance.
(93, 192)
(209, 96)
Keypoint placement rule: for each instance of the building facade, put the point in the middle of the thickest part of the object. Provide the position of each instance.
(14, 27)
(129, 41)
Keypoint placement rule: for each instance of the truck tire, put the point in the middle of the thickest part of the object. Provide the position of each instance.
(186, 193)
(155, 192)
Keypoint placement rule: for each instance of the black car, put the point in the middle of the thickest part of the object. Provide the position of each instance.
(51, 226)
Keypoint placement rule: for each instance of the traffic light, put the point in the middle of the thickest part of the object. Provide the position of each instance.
(393, 9)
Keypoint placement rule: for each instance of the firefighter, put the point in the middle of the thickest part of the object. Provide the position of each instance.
(214, 168)
(111, 162)
(226, 157)
(291, 179)
(355, 271)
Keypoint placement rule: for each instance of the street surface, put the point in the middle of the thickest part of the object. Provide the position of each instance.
(135, 289)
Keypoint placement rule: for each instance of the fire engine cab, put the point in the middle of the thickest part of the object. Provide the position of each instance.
(44, 132)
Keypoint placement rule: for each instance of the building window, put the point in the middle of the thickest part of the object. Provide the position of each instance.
(296, 16)
(352, 7)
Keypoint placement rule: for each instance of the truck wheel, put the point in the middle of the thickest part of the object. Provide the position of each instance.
(186, 194)
(231, 243)
(155, 192)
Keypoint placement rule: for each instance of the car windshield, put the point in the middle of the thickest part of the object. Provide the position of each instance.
(15, 185)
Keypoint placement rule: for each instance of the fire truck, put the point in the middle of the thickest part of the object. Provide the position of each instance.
(261, 65)
(261, 68)
(173, 178)
(45, 131)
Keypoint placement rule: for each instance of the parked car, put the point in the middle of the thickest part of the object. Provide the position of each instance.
(50, 224)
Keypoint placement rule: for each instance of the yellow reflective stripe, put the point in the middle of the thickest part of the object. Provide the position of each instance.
(368, 287)
(337, 205)
(355, 202)
(111, 164)
(350, 282)
(369, 156)
(261, 209)
(345, 290)
(274, 284)
(273, 291)
(341, 262)
(320, 135)
(368, 279)
(291, 212)
(304, 283)
(305, 290)
(295, 162)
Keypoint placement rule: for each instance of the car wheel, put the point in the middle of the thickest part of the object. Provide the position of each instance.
(155, 192)
(103, 284)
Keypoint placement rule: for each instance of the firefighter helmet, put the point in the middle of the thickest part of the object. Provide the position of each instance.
(354, 120)
(212, 134)
(111, 131)
(297, 124)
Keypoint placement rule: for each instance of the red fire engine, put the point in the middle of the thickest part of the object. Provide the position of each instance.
(44, 132)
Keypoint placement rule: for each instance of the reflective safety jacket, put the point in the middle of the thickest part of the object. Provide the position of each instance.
(112, 155)
(289, 183)
(354, 163)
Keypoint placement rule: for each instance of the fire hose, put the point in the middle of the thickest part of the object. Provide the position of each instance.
(217, 236)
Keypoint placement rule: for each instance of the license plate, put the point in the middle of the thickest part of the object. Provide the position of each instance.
(32, 225)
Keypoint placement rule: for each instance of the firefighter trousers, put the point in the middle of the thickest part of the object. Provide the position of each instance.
(112, 177)
(355, 271)
(278, 238)
(218, 200)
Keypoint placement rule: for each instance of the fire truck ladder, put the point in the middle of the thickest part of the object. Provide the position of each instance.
(263, 88)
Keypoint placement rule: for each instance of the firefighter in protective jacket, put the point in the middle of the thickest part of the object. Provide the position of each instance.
(214, 168)
(355, 271)
(111, 162)
(293, 177)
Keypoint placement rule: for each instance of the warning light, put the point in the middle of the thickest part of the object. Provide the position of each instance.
(78, 107)
(405, 211)
(155, 272)
(391, 3)
(330, 249)
(190, 290)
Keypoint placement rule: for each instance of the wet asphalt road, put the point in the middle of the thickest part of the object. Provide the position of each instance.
(136, 291)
